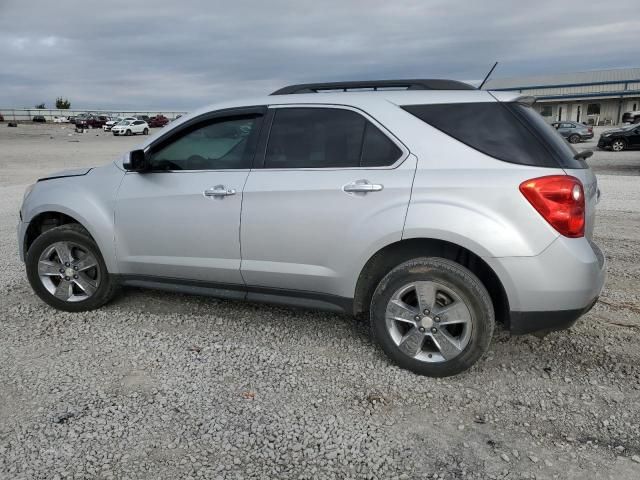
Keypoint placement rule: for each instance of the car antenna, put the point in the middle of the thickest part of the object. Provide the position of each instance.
(488, 75)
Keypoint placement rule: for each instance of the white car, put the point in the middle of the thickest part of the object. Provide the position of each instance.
(130, 127)
(60, 119)
(115, 120)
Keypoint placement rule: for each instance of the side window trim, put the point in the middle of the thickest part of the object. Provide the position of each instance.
(194, 123)
(260, 158)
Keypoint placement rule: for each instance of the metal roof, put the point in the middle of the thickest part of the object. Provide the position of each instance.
(594, 77)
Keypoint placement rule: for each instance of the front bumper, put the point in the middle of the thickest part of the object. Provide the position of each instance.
(552, 290)
(605, 142)
(22, 232)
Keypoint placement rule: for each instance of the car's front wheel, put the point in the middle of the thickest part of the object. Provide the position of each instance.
(145, 131)
(574, 138)
(128, 133)
(66, 270)
(432, 316)
(618, 145)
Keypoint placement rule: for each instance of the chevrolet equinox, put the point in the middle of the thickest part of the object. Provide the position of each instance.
(431, 207)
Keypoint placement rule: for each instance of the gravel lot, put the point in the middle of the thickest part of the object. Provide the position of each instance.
(169, 386)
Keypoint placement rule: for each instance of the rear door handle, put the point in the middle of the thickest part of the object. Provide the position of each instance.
(362, 186)
(219, 191)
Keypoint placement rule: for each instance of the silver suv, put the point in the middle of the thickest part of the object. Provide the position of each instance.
(431, 207)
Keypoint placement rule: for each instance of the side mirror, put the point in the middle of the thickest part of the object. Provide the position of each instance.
(137, 161)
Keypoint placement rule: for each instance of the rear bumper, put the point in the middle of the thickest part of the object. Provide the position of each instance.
(521, 323)
(552, 290)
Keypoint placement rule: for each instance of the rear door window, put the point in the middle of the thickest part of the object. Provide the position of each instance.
(511, 132)
(319, 137)
(314, 138)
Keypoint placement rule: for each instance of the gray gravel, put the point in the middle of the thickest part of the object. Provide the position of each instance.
(169, 386)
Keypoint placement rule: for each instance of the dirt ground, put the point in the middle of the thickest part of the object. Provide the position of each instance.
(156, 385)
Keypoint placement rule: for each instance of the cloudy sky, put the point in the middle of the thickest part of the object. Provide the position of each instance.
(155, 54)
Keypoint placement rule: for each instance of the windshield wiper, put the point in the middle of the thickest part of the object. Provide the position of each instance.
(583, 155)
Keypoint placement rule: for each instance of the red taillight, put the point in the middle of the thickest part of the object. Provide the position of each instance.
(560, 201)
(590, 129)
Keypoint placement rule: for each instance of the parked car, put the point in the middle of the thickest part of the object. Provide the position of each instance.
(1, 118)
(79, 118)
(39, 119)
(574, 132)
(144, 118)
(158, 121)
(631, 117)
(431, 213)
(623, 138)
(130, 127)
(60, 119)
(115, 120)
(91, 121)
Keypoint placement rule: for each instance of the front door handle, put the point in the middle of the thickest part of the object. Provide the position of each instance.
(219, 191)
(362, 186)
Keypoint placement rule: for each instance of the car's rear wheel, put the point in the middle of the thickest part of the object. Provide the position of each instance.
(618, 145)
(432, 316)
(574, 138)
(66, 270)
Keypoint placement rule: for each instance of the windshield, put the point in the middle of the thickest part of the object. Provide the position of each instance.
(125, 122)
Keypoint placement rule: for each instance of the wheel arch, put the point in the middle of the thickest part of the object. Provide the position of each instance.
(47, 220)
(51, 216)
(388, 257)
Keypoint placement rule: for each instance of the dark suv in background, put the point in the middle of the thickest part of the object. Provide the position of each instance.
(91, 121)
(618, 139)
(631, 117)
(574, 132)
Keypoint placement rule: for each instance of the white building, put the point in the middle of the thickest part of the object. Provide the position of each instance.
(598, 97)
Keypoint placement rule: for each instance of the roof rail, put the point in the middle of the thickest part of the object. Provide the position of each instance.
(406, 84)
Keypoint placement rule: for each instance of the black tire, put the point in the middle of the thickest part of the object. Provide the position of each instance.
(574, 138)
(145, 131)
(77, 234)
(457, 278)
(128, 133)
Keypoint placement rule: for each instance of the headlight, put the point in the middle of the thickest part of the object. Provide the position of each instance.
(27, 191)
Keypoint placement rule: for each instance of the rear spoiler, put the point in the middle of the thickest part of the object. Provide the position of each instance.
(511, 97)
(526, 100)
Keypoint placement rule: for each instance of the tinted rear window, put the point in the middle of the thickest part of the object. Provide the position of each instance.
(511, 132)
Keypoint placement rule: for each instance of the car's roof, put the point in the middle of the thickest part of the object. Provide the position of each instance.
(362, 99)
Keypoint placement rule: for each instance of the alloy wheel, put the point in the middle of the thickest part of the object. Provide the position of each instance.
(69, 271)
(429, 321)
(617, 146)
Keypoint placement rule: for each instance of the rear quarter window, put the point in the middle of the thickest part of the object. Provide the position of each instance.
(510, 132)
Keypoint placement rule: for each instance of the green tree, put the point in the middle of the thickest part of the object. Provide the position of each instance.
(41, 105)
(63, 103)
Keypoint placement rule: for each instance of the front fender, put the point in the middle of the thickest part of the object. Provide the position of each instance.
(88, 199)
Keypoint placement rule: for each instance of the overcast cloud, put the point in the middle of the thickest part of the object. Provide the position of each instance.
(183, 54)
